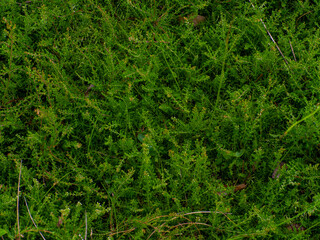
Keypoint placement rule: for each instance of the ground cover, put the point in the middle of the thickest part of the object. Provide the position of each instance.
(159, 119)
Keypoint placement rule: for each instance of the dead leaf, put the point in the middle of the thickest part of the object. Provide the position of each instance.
(275, 173)
(240, 187)
(59, 222)
(222, 193)
(296, 227)
(37, 110)
(195, 19)
(88, 90)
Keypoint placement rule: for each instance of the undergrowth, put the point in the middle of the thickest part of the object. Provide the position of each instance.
(127, 120)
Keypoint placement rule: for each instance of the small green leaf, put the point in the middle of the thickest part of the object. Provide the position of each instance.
(229, 154)
(2, 232)
(239, 154)
(140, 137)
(166, 108)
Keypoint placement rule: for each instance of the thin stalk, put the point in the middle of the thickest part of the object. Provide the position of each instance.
(25, 200)
(294, 56)
(272, 38)
(303, 119)
(18, 194)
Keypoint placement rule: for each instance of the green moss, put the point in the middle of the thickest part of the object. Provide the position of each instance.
(182, 129)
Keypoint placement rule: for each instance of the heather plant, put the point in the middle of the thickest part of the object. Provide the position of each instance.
(159, 119)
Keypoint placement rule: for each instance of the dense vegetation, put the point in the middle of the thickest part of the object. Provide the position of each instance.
(159, 119)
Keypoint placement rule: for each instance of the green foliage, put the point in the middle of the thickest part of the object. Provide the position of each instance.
(132, 123)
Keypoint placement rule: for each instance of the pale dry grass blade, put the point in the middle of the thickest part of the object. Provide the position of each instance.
(85, 235)
(18, 194)
(25, 200)
(272, 38)
(88, 90)
(294, 56)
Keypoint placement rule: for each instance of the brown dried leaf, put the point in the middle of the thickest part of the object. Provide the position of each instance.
(37, 111)
(197, 20)
(296, 227)
(222, 193)
(240, 187)
(88, 90)
(59, 222)
(275, 173)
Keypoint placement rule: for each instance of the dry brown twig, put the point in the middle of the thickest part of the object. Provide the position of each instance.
(181, 215)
